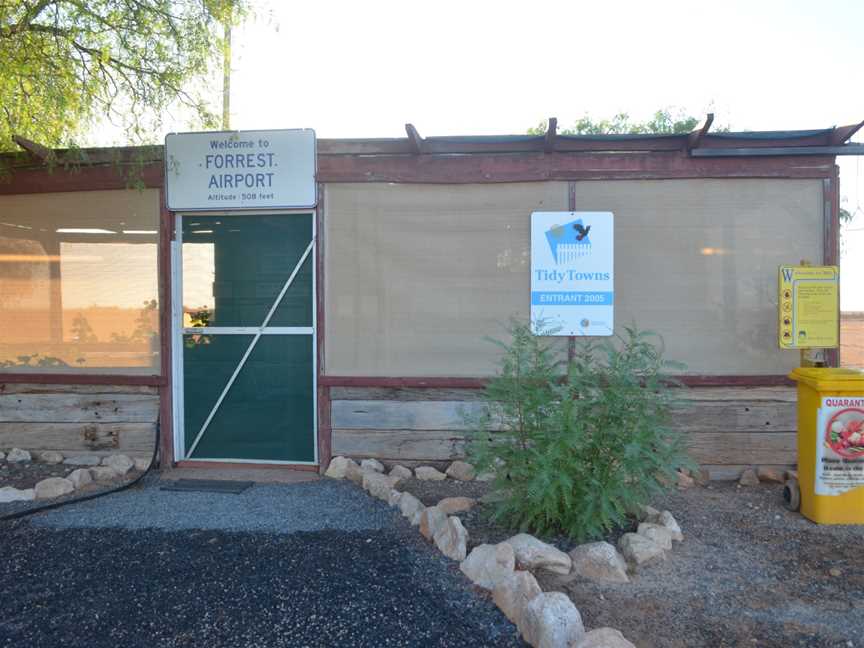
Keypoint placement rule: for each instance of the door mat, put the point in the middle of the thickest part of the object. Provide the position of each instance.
(206, 486)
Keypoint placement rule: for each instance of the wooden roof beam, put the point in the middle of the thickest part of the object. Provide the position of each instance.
(694, 138)
(34, 148)
(551, 135)
(414, 137)
(842, 134)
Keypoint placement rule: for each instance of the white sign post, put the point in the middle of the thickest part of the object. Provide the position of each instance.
(240, 170)
(572, 273)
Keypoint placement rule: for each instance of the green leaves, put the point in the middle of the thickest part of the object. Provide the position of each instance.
(68, 63)
(577, 444)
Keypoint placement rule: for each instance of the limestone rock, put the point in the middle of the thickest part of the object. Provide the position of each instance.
(512, 594)
(338, 467)
(771, 474)
(749, 478)
(17, 455)
(645, 513)
(665, 519)
(51, 457)
(599, 562)
(80, 477)
(372, 464)
(394, 497)
(452, 539)
(142, 463)
(354, 473)
(685, 480)
(638, 549)
(485, 477)
(82, 460)
(461, 470)
(410, 507)
(401, 472)
(53, 487)
(451, 505)
(428, 473)
(119, 463)
(658, 534)
(10, 494)
(551, 620)
(603, 638)
(532, 554)
(378, 485)
(487, 565)
(432, 520)
(103, 473)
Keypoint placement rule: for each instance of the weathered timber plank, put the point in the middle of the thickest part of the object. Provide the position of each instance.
(78, 437)
(26, 388)
(771, 394)
(405, 394)
(431, 445)
(403, 415)
(79, 408)
(697, 416)
(736, 416)
(742, 448)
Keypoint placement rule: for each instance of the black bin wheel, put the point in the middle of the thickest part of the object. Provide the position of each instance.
(792, 495)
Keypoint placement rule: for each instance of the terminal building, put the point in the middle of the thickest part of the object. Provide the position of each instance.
(352, 319)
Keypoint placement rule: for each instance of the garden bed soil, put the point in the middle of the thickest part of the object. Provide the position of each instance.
(749, 573)
(26, 474)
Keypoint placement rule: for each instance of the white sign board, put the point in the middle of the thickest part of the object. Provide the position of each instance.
(240, 170)
(572, 272)
(840, 445)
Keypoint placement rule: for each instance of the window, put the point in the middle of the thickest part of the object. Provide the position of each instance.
(78, 282)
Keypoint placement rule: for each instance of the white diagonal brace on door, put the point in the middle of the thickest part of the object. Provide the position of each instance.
(251, 347)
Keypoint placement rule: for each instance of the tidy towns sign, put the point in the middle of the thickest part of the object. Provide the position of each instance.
(572, 273)
(240, 170)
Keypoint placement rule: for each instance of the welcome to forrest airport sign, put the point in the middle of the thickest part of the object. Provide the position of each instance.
(240, 170)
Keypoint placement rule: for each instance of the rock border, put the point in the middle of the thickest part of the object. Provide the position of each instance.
(93, 469)
(505, 570)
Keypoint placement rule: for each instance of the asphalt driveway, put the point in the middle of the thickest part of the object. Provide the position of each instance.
(93, 575)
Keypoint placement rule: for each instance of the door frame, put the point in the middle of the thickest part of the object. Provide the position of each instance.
(176, 319)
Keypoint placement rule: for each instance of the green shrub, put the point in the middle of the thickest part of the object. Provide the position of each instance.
(576, 445)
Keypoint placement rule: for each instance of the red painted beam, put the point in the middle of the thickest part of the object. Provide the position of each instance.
(81, 379)
(436, 382)
(84, 178)
(437, 169)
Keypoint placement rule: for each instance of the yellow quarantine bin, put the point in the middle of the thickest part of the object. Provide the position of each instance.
(831, 444)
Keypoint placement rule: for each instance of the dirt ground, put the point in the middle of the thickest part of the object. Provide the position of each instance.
(749, 573)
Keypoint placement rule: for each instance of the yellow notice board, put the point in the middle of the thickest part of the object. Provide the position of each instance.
(809, 306)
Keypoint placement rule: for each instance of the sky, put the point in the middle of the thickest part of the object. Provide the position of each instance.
(364, 69)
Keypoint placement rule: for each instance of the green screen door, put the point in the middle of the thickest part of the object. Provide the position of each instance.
(248, 337)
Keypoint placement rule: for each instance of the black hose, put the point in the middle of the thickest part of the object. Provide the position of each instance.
(54, 505)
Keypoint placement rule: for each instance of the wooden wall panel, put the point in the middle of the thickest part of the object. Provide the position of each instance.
(79, 419)
(728, 428)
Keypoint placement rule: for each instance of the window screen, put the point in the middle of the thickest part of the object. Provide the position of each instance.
(78, 282)
(417, 275)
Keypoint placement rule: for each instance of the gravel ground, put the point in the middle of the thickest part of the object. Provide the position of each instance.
(312, 564)
(749, 573)
(273, 508)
